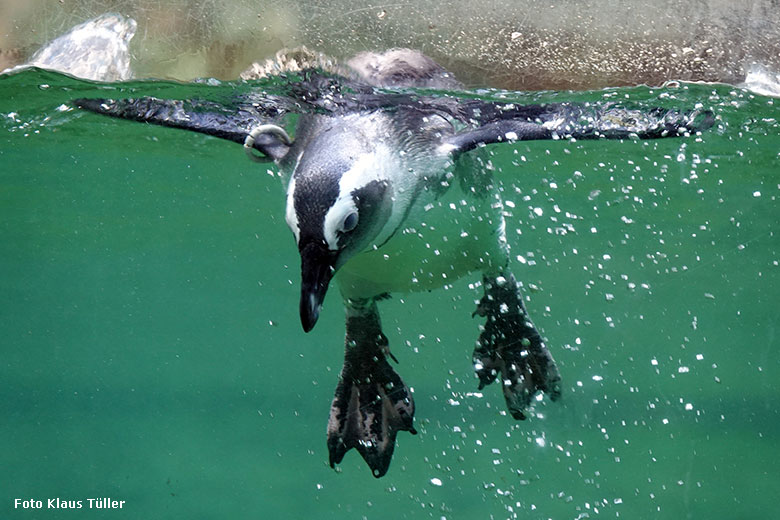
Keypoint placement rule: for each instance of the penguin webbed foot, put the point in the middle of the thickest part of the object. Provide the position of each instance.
(372, 403)
(511, 346)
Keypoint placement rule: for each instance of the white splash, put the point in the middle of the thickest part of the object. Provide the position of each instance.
(762, 81)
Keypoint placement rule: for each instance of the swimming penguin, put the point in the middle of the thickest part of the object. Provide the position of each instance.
(383, 196)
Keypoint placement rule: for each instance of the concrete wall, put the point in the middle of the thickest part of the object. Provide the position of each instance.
(527, 44)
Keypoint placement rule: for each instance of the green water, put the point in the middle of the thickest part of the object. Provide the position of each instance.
(152, 352)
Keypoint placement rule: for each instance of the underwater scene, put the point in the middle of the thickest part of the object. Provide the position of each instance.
(152, 351)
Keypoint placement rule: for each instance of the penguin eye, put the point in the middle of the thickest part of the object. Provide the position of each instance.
(350, 222)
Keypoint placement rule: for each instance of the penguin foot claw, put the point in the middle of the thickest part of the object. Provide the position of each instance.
(511, 346)
(368, 411)
(372, 403)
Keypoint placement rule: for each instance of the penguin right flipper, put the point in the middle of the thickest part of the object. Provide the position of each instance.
(511, 348)
(235, 123)
(372, 404)
(572, 121)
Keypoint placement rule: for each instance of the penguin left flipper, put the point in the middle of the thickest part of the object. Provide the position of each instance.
(233, 123)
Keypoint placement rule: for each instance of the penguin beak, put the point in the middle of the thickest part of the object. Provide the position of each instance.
(317, 268)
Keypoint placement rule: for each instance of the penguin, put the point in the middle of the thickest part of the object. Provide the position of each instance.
(386, 193)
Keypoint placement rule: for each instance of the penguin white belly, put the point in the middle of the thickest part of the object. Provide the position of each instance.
(440, 240)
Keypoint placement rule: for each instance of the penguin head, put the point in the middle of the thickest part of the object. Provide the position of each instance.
(338, 201)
